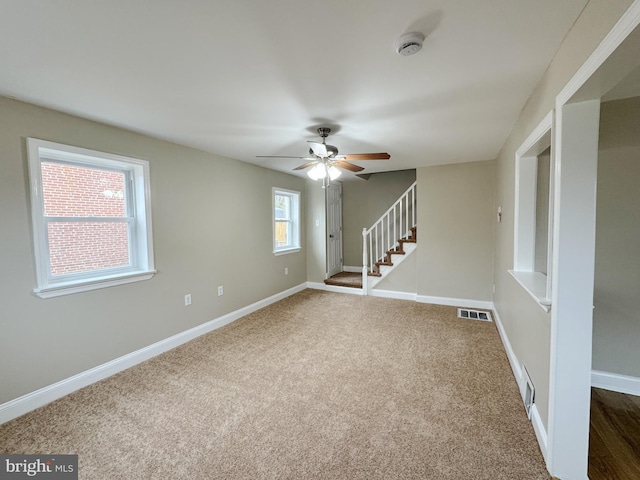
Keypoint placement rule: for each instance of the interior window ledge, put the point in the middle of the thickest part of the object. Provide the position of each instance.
(288, 250)
(535, 284)
(94, 284)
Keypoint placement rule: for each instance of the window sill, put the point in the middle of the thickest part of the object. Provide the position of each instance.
(69, 288)
(288, 250)
(535, 284)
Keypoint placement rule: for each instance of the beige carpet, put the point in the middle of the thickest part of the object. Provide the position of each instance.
(345, 279)
(318, 386)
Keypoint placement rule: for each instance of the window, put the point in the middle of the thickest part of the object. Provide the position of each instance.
(286, 221)
(534, 214)
(91, 218)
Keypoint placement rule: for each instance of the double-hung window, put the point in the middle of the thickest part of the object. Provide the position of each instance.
(286, 221)
(91, 216)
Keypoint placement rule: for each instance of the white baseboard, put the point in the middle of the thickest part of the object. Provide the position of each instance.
(21, 405)
(455, 302)
(334, 288)
(541, 432)
(392, 294)
(536, 420)
(615, 382)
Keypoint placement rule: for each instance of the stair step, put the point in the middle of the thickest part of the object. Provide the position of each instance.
(375, 274)
(396, 252)
(388, 264)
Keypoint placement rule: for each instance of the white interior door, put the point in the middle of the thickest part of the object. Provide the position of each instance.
(334, 228)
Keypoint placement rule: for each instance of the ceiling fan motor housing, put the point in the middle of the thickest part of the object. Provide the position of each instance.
(331, 151)
(324, 132)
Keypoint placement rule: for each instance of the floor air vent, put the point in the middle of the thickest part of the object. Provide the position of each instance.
(474, 315)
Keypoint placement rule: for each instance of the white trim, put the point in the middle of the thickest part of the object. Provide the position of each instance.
(136, 177)
(288, 250)
(576, 155)
(294, 220)
(540, 431)
(334, 288)
(455, 302)
(21, 405)
(535, 284)
(538, 140)
(618, 34)
(615, 382)
(536, 420)
(568, 445)
(69, 289)
(350, 269)
(393, 294)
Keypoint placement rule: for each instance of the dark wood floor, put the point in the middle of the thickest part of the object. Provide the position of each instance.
(614, 438)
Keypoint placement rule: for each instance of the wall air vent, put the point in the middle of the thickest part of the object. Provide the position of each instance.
(529, 395)
(474, 315)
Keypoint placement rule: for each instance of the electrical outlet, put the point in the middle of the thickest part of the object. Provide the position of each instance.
(220, 291)
(286, 270)
(187, 300)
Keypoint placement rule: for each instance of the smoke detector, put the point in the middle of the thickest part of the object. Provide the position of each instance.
(409, 43)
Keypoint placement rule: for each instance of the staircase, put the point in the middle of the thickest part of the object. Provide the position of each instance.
(393, 234)
(387, 261)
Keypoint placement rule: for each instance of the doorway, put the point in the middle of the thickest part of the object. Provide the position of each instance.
(334, 228)
(578, 108)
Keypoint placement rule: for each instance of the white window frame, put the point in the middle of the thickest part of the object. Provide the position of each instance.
(536, 284)
(136, 173)
(294, 246)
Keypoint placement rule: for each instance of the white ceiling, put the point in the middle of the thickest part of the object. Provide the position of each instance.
(242, 78)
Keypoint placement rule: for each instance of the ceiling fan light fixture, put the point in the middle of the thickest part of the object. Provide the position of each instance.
(317, 172)
(334, 172)
(409, 43)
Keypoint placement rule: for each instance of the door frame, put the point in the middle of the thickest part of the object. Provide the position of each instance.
(577, 109)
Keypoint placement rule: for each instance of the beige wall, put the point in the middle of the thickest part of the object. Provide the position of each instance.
(526, 324)
(402, 278)
(363, 202)
(455, 230)
(211, 226)
(616, 323)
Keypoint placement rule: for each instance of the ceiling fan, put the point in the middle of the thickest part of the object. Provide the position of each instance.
(325, 159)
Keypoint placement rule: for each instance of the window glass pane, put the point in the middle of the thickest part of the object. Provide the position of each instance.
(283, 234)
(283, 207)
(77, 247)
(79, 191)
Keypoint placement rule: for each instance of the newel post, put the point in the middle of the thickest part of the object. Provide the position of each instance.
(365, 268)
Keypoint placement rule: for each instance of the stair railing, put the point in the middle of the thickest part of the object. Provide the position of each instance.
(384, 234)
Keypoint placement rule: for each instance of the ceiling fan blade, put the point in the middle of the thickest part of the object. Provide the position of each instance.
(367, 156)
(282, 156)
(305, 165)
(320, 149)
(348, 166)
